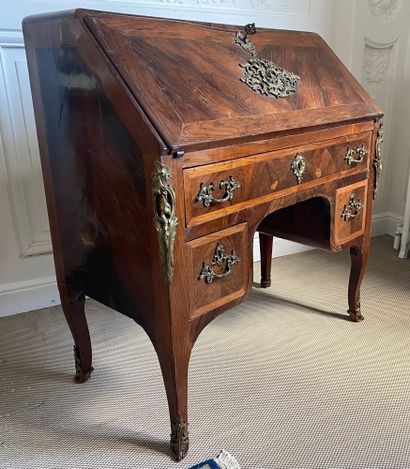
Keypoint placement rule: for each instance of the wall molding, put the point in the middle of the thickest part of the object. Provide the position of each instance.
(385, 10)
(378, 67)
(377, 61)
(262, 9)
(309, 15)
(11, 38)
(385, 223)
(28, 295)
(20, 150)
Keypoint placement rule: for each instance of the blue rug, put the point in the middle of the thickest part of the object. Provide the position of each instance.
(223, 461)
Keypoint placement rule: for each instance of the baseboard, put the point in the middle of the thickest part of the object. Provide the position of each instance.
(42, 292)
(28, 295)
(281, 247)
(385, 223)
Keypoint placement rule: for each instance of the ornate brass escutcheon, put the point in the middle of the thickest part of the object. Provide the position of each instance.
(352, 209)
(361, 152)
(205, 192)
(207, 272)
(241, 38)
(263, 75)
(165, 220)
(377, 164)
(298, 167)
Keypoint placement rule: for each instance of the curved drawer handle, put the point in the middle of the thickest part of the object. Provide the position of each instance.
(208, 274)
(353, 208)
(205, 192)
(360, 151)
(298, 167)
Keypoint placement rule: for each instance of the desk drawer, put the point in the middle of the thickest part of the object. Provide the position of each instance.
(350, 212)
(218, 268)
(215, 190)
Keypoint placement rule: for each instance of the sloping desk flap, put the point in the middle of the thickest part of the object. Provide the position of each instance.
(188, 79)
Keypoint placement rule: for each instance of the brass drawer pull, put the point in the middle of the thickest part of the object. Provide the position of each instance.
(353, 208)
(351, 152)
(298, 167)
(205, 192)
(208, 273)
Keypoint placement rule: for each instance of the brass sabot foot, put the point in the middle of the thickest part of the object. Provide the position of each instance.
(355, 316)
(81, 376)
(179, 439)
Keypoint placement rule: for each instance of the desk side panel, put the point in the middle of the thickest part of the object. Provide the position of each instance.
(97, 156)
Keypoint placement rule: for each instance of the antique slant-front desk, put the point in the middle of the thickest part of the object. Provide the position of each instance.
(166, 145)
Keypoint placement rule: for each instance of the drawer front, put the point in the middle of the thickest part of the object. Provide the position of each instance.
(350, 212)
(214, 190)
(219, 269)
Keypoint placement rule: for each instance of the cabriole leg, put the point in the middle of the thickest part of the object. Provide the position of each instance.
(75, 316)
(174, 368)
(265, 245)
(359, 257)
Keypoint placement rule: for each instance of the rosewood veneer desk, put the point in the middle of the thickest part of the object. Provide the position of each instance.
(166, 145)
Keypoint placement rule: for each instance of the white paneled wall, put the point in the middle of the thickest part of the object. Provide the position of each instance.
(369, 35)
(26, 268)
(372, 38)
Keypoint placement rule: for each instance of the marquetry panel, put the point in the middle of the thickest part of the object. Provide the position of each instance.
(349, 219)
(207, 292)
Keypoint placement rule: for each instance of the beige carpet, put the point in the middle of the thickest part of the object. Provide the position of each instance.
(282, 381)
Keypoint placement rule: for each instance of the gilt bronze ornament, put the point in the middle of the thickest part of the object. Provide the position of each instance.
(263, 75)
(205, 194)
(352, 209)
(377, 164)
(298, 167)
(350, 157)
(165, 220)
(179, 438)
(81, 375)
(208, 273)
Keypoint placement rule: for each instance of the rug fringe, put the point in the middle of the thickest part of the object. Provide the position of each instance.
(227, 461)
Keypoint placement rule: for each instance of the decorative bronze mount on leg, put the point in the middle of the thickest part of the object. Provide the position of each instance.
(81, 376)
(356, 316)
(165, 220)
(179, 438)
(377, 163)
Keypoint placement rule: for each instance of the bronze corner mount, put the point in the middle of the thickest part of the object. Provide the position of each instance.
(377, 162)
(165, 220)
